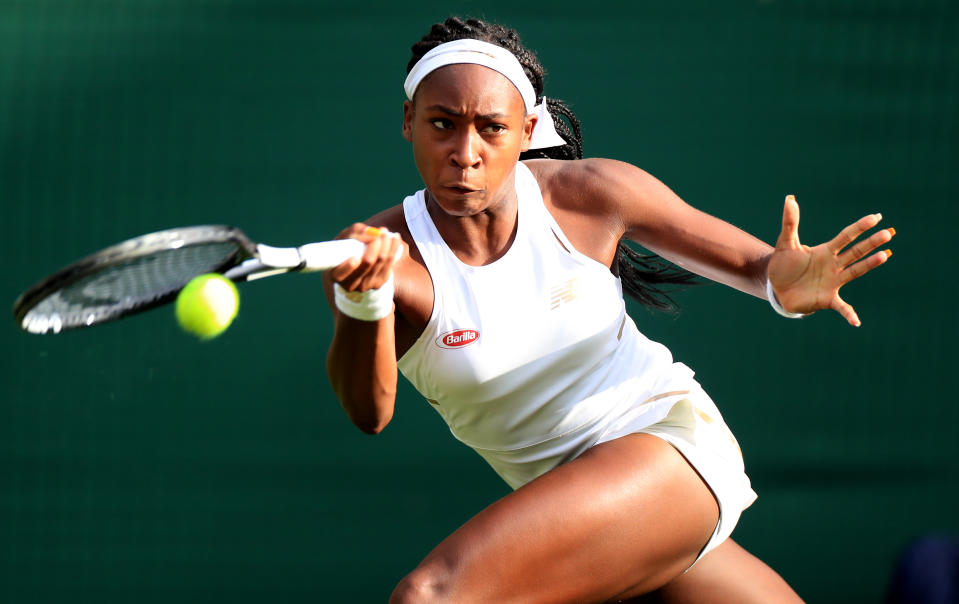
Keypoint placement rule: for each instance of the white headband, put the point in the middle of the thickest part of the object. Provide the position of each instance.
(498, 59)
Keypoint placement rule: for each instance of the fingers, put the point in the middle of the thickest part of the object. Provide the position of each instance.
(819, 272)
(863, 248)
(852, 232)
(861, 268)
(374, 267)
(789, 236)
(362, 232)
(858, 269)
(383, 259)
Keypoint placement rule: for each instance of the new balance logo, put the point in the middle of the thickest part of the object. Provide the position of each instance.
(563, 293)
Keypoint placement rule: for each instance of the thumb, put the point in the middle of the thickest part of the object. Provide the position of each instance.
(846, 310)
(789, 236)
(341, 272)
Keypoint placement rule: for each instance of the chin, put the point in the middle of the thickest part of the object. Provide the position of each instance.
(458, 204)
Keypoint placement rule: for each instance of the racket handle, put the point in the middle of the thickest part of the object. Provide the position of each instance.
(325, 255)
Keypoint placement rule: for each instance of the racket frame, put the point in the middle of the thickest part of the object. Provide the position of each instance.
(248, 262)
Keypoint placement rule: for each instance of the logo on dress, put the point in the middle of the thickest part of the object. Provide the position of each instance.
(458, 338)
(563, 293)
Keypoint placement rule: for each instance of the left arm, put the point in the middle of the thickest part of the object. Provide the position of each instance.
(601, 201)
(631, 203)
(656, 218)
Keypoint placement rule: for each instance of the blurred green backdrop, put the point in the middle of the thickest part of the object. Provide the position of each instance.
(139, 465)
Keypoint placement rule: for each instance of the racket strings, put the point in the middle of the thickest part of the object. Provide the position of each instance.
(118, 289)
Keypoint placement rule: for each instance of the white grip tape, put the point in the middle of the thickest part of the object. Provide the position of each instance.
(278, 257)
(371, 305)
(327, 254)
(774, 302)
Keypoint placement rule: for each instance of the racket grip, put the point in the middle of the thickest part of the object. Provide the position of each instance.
(325, 255)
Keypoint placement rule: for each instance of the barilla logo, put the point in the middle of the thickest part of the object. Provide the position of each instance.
(458, 338)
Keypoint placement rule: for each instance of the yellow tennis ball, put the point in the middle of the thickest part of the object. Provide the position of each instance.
(207, 305)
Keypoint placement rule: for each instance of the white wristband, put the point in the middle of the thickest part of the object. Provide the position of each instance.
(371, 305)
(774, 302)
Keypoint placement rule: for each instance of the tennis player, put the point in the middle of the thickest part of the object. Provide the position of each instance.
(498, 292)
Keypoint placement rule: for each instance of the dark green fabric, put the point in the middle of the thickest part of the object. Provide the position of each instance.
(139, 465)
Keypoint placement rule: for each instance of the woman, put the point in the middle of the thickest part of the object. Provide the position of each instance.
(497, 290)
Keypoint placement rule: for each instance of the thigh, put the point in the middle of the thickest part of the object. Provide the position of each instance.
(624, 518)
(727, 575)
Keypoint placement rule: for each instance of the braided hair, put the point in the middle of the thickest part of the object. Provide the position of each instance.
(643, 276)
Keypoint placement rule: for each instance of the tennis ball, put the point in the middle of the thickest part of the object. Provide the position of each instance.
(207, 305)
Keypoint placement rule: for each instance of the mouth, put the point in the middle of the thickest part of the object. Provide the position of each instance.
(461, 188)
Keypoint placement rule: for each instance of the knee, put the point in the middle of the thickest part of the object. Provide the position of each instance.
(421, 586)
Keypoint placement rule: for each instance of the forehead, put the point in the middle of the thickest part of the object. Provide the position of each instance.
(470, 86)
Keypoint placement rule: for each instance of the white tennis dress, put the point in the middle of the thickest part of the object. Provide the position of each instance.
(532, 359)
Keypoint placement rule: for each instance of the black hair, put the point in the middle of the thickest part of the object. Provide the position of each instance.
(643, 276)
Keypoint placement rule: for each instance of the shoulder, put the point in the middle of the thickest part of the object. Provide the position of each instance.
(594, 186)
(593, 201)
(391, 218)
(599, 201)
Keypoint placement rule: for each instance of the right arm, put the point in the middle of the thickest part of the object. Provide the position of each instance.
(361, 363)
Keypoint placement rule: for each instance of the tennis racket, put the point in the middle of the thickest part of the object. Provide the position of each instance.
(150, 270)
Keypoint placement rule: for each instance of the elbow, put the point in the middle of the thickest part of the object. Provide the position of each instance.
(370, 414)
(371, 429)
(372, 425)
(367, 399)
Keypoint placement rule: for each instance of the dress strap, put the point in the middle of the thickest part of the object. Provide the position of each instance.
(428, 240)
(526, 183)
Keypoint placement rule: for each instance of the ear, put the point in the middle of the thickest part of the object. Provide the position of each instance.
(528, 126)
(408, 120)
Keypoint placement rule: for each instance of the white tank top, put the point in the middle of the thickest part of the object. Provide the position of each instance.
(536, 346)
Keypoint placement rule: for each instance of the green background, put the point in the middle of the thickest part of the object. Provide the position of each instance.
(139, 465)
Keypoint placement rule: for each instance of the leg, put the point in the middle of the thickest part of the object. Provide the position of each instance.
(624, 518)
(727, 575)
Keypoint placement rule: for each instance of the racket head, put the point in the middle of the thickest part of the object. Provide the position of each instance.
(129, 277)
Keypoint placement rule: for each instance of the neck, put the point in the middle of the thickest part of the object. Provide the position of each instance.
(481, 238)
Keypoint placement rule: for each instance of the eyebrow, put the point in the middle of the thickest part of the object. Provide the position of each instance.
(455, 113)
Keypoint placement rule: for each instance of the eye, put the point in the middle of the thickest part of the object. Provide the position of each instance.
(494, 128)
(442, 123)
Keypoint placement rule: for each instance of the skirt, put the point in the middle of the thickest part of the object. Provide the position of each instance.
(684, 416)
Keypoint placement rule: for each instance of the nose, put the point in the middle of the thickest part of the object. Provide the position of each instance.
(466, 150)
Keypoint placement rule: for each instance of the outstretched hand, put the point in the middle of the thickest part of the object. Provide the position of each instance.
(807, 279)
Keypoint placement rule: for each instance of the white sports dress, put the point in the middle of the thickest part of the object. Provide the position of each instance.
(532, 359)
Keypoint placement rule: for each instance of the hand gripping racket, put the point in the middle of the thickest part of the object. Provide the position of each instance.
(148, 271)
